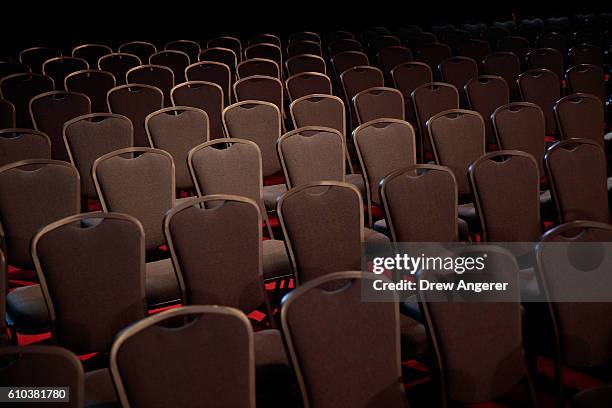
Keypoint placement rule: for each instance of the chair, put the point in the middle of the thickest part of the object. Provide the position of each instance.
(90, 136)
(142, 49)
(516, 45)
(118, 64)
(265, 50)
(476, 49)
(215, 72)
(304, 47)
(35, 57)
(35, 193)
(50, 110)
(307, 83)
(203, 95)
(7, 114)
(484, 95)
(18, 89)
(241, 175)
(585, 54)
(332, 369)
(257, 66)
(506, 65)
(229, 42)
(420, 203)
(260, 88)
(222, 55)
(521, 126)
(576, 169)
(475, 369)
(12, 67)
(343, 45)
(140, 182)
(428, 100)
(555, 40)
(135, 101)
(585, 78)
(59, 68)
(406, 78)
(158, 76)
(338, 34)
(505, 185)
(379, 103)
(392, 56)
(494, 34)
(433, 54)
(580, 116)
(22, 144)
(547, 58)
(304, 36)
(91, 53)
(458, 71)
(191, 48)
(379, 43)
(93, 83)
(383, 146)
(176, 61)
(305, 63)
(542, 87)
(348, 59)
(177, 130)
(44, 366)
(457, 137)
(196, 346)
(357, 79)
(265, 38)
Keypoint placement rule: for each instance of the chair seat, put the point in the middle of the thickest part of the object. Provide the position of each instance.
(271, 195)
(467, 213)
(357, 181)
(275, 259)
(462, 228)
(27, 310)
(161, 284)
(272, 370)
(99, 390)
(413, 337)
(598, 397)
(372, 237)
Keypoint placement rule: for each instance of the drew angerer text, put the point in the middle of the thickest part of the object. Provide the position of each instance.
(423, 285)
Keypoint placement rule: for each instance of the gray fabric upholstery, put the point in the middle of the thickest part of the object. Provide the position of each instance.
(406, 78)
(275, 259)
(378, 103)
(23, 144)
(371, 236)
(260, 88)
(214, 72)
(206, 96)
(271, 195)
(19, 89)
(158, 76)
(27, 310)
(581, 116)
(307, 84)
(485, 94)
(542, 87)
(93, 83)
(118, 64)
(272, 370)
(357, 181)
(161, 285)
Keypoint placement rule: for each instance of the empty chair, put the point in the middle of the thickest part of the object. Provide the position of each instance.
(428, 100)
(260, 88)
(59, 68)
(212, 344)
(377, 44)
(476, 49)
(318, 361)
(12, 67)
(420, 203)
(265, 38)
(494, 34)
(547, 58)
(140, 182)
(135, 101)
(44, 366)
(343, 45)
(35, 193)
(506, 192)
(203, 95)
(93, 83)
(223, 55)
(307, 83)
(7, 114)
(19, 89)
(521, 126)
(406, 78)
(177, 130)
(506, 65)
(553, 40)
(90, 136)
(542, 87)
(485, 94)
(91, 53)
(580, 116)
(304, 36)
(588, 79)
(177, 61)
(229, 42)
(257, 66)
(214, 72)
(305, 63)
(191, 48)
(303, 47)
(338, 34)
(515, 44)
(141, 49)
(51, 110)
(35, 57)
(392, 56)
(458, 71)
(158, 76)
(265, 50)
(576, 169)
(433, 54)
(118, 64)
(241, 176)
(457, 137)
(357, 79)
(22, 144)
(585, 54)
(378, 103)
(348, 59)
(383, 146)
